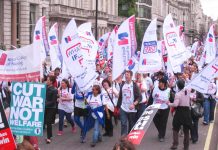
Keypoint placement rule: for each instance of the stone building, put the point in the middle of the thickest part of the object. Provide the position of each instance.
(18, 17)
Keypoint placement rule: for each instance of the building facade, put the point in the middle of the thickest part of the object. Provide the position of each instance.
(144, 13)
(18, 17)
(188, 13)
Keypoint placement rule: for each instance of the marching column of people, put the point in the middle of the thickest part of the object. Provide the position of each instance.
(102, 102)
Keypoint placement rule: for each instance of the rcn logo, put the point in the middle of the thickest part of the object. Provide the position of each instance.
(37, 35)
(3, 59)
(67, 39)
(210, 38)
(53, 40)
(131, 64)
(123, 38)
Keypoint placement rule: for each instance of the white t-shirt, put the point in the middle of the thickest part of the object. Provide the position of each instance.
(127, 97)
(108, 100)
(95, 102)
(67, 106)
(161, 97)
(149, 83)
(143, 85)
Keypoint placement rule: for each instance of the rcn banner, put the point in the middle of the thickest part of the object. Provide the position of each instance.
(111, 43)
(138, 131)
(89, 46)
(150, 59)
(20, 64)
(71, 52)
(202, 81)
(175, 48)
(210, 45)
(27, 108)
(125, 43)
(40, 37)
(55, 53)
(6, 137)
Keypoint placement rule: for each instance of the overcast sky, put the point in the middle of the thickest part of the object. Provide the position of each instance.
(210, 8)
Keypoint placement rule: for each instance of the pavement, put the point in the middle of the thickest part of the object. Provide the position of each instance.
(208, 139)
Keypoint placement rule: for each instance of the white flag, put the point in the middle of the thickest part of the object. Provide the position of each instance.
(55, 53)
(150, 59)
(89, 45)
(175, 49)
(40, 37)
(111, 42)
(124, 43)
(71, 52)
(210, 45)
(202, 81)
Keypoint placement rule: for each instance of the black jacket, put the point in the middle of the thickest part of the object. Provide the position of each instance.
(136, 93)
(51, 97)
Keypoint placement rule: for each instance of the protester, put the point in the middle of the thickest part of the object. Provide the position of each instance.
(161, 95)
(50, 106)
(124, 144)
(182, 115)
(209, 103)
(110, 94)
(81, 110)
(65, 106)
(128, 100)
(143, 90)
(96, 102)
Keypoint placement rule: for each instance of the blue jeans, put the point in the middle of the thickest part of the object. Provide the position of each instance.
(97, 132)
(81, 124)
(127, 119)
(209, 106)
(62, 113)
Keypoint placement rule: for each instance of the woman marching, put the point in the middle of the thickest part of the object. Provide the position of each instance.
(65, 106)
(50, 106)
(182, 115)
(96, 103)
(110, 94)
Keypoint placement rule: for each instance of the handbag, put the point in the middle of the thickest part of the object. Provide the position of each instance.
(116, 112)
(197, 110)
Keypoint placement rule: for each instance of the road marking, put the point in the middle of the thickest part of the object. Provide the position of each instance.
(209, 133)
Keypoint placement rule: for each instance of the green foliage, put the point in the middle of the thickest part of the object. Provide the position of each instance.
(126, 8)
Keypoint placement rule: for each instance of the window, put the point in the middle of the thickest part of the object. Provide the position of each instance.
(144, 25)
(148, 2)
(144, 12)
(32, 21)
(43, 11)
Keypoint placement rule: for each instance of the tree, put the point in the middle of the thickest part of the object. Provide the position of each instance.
(127, 8)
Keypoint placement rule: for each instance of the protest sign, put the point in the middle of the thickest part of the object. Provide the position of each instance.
(210, 45)
(202, 81)
(6, 138)
(27, 108)
(150, 59)
(20, 64)
(175, 48)
(138, 131)
(124, 43)
(55, 53)
(83, 75)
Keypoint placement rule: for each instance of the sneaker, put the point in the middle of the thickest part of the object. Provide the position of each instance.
(93, 144)
(74, 129)
(212, 121)
(60, 133)
(82, 140)
(48, 141)
(173, 147)
(65, 124)
(161, 139)
(205, 123)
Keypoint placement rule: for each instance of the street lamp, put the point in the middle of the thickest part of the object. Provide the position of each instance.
(96, 19)
(183, 23)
